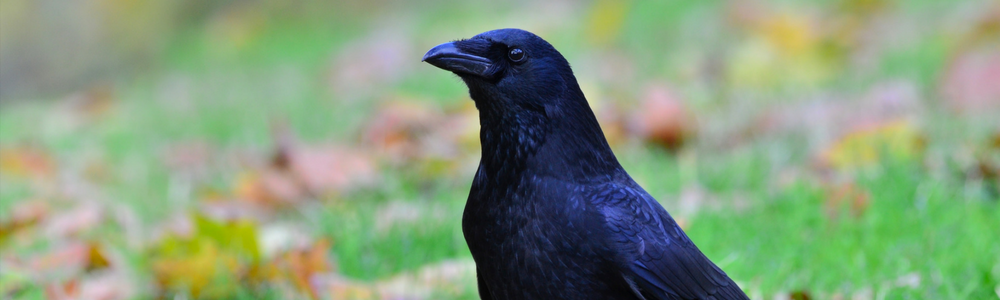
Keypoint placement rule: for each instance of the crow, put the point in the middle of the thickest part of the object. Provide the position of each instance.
(551, 214)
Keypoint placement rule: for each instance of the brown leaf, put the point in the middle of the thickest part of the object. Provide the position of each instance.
(62, 290)
(800, 295)
(321, 169)
(663, 119)
(70, 259)
(326, 169)
(424, 139)
(397, 128)
(24, 215)
(27, 161)
(300, 265)
(268, 188)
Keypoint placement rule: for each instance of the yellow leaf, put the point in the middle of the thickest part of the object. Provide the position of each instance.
(211, 261)
(27, 161)
(898, 140)
(791, 34)
(238, 236)
(204, 271)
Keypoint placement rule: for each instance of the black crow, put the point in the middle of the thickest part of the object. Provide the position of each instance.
(551, 213)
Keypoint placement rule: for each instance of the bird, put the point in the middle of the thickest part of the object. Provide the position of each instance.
(551, 213)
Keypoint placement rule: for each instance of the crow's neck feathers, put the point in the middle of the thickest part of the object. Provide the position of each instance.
(563, 137)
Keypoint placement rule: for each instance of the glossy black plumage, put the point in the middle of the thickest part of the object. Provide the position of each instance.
(551, 213)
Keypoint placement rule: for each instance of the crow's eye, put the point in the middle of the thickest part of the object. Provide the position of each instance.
(515, 55)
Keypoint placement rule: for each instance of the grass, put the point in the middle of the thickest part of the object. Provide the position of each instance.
(920, 220)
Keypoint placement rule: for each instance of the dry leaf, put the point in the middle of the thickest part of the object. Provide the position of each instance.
(321, 170)
(791, 34)
(300, 265)
(397, 128)
(898, 139)
(27, 161)
(663, 119)
(800, 295)
(25, 214)
(211, 260)
(424, 139)
(70, 259)
(199, 272)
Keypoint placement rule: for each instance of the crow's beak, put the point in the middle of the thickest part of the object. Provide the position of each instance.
(449, 57)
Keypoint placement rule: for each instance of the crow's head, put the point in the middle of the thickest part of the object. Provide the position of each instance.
(509, 70)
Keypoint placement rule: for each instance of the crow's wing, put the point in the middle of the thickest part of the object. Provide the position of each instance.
(657, 257)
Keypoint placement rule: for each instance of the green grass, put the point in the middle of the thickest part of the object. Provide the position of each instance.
(770, 234)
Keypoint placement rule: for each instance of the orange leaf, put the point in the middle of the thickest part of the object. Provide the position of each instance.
(27, 161)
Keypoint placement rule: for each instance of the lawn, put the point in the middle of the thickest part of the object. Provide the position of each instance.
(834, 150)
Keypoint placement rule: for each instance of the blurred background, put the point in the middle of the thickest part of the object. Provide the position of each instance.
(265, 149)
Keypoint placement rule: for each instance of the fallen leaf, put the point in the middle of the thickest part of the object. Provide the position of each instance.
(204, 270)
(423, 139)
(70, 259)
(27, 161)
(396, 128)
(25, 214)
(898, 139)
(211, 260)
(62, 290)
(300, 265)
(800, 295)
(663, 119)
(327, 169)
(791, 34)
(268, 188)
